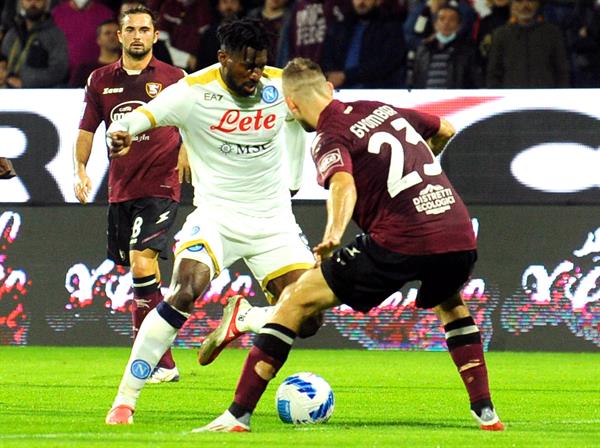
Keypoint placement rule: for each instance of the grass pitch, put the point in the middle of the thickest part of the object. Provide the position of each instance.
(58, 397)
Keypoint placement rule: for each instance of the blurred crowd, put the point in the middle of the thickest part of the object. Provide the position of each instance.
(359, 43)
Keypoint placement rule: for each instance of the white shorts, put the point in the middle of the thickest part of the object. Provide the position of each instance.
(270, 247)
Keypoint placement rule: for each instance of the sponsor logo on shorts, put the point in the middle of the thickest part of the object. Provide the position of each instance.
(434, 199)
(329, 160)
(140, 369)
(270, 94)
(196, 248)
(153, 88)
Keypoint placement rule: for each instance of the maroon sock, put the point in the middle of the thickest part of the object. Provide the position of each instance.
(271, 347)
(475, 378)
(466, 350)
(146, 295)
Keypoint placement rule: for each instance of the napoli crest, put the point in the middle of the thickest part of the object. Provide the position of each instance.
(140, 369)
(270, 94)
(153, 88)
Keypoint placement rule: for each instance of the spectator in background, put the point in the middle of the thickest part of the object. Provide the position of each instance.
(181, 22)
(419, 24)
(36, 49)
(365, 50)
(79, 20)
(583, 41)
(159, 50)
(209, 43)
(110, 51)
(527, 52)
(499, 15)
(303, 34)
(3, 71)
(446, 60)
(274, 13)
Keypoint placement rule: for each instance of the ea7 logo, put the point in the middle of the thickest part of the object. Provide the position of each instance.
(153, 88)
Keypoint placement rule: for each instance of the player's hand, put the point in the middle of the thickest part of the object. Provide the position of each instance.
(119, 143)
(183, 167)
(325, 248)
(83, 187)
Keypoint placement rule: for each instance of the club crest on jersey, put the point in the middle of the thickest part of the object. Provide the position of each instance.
(153, 88)
(329, 160)
(270, 94)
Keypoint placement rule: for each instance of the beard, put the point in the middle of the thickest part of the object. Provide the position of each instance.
(239, 88)
(138, 52)
(34, 14)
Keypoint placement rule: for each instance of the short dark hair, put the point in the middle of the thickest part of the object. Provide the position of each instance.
(105, 22)
(451, 7)
(139, 9)
(236, 34)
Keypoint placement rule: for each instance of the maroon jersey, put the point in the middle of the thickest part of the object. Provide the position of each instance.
(149, 170)
(404, 200)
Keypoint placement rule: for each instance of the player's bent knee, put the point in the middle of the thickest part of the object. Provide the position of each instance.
(264, 370)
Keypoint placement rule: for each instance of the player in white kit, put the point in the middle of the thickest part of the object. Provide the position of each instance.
(246, 153)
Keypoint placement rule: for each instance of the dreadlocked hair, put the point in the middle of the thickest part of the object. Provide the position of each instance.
(237, 34)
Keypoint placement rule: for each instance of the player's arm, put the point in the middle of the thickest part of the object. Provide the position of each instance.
(340, 206)
(170, 108)
(183, 166)
(295, 142)
(81, 155)
(438, 142)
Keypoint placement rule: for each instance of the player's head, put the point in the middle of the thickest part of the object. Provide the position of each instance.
(306, 91)
(137, 31)
(243, 54)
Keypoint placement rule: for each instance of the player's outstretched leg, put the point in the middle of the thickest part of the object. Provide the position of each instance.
(239, 317)
(464, 344)
(269, 353)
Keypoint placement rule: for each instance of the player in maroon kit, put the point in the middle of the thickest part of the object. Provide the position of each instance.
(378, 161)
(143, 188)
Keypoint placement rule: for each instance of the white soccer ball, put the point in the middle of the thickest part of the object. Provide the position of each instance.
(304, 398)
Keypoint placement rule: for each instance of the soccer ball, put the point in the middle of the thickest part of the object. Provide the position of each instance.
(304, 398)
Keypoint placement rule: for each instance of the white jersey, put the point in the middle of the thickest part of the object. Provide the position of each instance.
(236, 145)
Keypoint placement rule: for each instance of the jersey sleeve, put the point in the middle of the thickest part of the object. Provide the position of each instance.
(92, 110)
(427, 125)
(170, 108)
(331, 155)
(295, 139)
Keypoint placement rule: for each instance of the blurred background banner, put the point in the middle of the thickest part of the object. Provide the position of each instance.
(525, 161)
(535, 287)
(512, 146)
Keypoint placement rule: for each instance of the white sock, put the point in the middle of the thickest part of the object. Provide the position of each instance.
(254, 318)
(154, 338)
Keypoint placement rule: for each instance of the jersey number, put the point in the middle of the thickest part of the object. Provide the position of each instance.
(396, 182)
(136, 229)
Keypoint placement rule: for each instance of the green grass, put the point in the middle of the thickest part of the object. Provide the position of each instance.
(52, 397)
